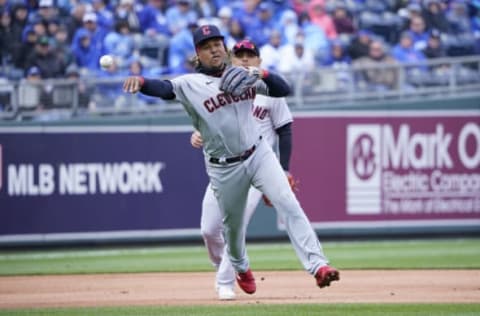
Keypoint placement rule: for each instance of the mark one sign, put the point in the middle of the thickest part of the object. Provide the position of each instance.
(408, 170)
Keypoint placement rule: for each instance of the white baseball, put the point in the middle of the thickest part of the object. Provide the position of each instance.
(106, 61)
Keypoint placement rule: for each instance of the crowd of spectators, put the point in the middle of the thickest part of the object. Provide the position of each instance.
(153, 37)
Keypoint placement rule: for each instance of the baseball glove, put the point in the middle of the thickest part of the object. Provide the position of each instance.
(293, 185)
(236, 80)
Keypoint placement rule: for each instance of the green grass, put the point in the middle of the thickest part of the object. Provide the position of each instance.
(414, 254)
(266, 310)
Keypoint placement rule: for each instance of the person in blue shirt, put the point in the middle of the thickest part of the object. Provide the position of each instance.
(104, 14)
(337, 56)
(260, 31)
(418, 32)
(86, 56)
(180, 15)
(153, 17)
(95, 32)
(120, 43)
(181, 51)
(404, 51)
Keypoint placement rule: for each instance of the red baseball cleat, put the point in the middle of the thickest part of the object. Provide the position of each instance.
(246, 281)
(325, 275)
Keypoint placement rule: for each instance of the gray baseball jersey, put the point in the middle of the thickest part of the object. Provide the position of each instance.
(270, 114)
(227, 132)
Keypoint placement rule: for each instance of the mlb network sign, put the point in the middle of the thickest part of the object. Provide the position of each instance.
(94, 179)
(404, 170)
(361, 167)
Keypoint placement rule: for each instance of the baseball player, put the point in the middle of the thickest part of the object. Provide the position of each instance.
(274, 118)
(219, 101)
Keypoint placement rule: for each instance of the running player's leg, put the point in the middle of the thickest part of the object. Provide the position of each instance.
(269, 177)
(226, 273)
(230, 185)
(211, 227)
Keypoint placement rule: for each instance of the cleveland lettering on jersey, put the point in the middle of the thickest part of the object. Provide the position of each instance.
(222, 99)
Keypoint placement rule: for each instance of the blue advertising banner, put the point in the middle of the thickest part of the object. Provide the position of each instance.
(99, 179)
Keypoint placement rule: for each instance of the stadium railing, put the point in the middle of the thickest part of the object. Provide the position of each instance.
(320, 88)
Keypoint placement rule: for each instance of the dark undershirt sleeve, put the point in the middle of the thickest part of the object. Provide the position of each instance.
(158, 88)
(285, 145)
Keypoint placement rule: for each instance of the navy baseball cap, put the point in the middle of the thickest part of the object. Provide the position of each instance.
(246, 45)
(206, 32)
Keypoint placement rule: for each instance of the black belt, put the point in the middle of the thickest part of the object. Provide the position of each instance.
(242, 157)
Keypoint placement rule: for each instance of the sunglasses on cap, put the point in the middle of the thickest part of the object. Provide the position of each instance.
(246, 45)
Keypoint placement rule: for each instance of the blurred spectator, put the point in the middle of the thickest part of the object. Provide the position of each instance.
(39, 27)
(264, 25)
(338, 56)
(318, 15)
(153, 17)
(412, 10)
(85, 54)
(105, 18)
(270, 52)
(180, 15)
(296, 58)
(315, 38)
(204, 8)
(404, 51)
(458, 18)
(52, 28)
(96, 34)
(377, 79)
(289, 26)
(279, 7)
(418, 32)
(360, 45)
(339, 60)
(19, 16)
(126, 11)
(247, 15)
(47, 61)
(434, 16)
(7, 39)
(84, 91)
(61, 45)
(343, 20)
(300, 6)
(223, 22)
(29, 40)
(237, 33)
(45, 13)
(434, 48)
(75, 20)
(153, 47)
(120, 43)
(32, 92)
(182, 51)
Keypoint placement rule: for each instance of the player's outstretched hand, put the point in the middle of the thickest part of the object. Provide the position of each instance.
(236, 80)
(132, 84)
(196, 139)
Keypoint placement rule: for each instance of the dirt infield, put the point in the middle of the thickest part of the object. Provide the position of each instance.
(273, 287)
